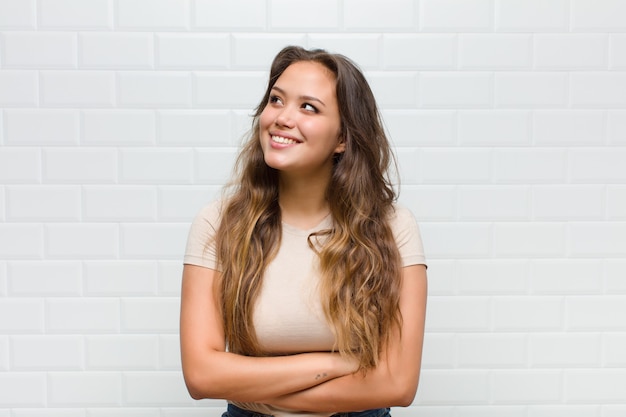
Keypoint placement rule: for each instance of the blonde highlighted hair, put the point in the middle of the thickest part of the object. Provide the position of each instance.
(358, 257)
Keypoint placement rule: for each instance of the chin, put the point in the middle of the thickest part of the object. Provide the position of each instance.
(274, 164)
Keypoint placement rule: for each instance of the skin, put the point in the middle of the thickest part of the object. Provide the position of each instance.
(303, 108)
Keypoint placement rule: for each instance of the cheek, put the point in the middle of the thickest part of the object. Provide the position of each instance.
(330, 131)
(265, 119)
(315, 128)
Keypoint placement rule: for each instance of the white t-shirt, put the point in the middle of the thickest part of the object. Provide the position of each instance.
(288, 316)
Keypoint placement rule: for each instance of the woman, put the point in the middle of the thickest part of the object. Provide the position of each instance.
(304, 289)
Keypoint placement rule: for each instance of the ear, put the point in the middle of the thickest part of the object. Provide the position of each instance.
(341, 147)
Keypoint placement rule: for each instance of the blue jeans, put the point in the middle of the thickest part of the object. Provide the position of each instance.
(234, 411)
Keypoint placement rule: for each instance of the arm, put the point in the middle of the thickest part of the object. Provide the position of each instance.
(211, 372)
(394, 381)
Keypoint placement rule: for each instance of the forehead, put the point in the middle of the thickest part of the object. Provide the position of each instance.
(308, 75)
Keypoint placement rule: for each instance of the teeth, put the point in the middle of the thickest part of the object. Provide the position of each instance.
(280, 139)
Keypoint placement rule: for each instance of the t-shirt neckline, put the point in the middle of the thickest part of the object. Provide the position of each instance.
(324, 223)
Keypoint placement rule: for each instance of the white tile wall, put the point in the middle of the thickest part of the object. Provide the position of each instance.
(532, 15)
(74, 14)
(41, 127)
(118, 127)
(616, 130)
(456, 89)
(116, 50)
(569, 127)
(224, 15)
(483, 350)
(572, 51)
(534, 89)
(62, 353)
(585, 386)
(444, 387)
(485, 277)
(617, 52)
(3, 278)
(82, 315)
(18, 15)
(122, 352)
(19, 88)
(494, 127)
(376, 16)
(193, 51)
(81, 389)
(614, 269)
(45, 278)
(22, 316)
(595, 89)
(23, 389)
(119, 119)
(40, 50)
(419, 51)
(21, 241)
(4, 353)
(523, 386)
(456, 15)
(255, 51)
(154, 89)
(77, 89)
(494, 51)
(552, 276)
(322, 15)
(598, 15)
(153, 14)
(576, 350)
(131, 278)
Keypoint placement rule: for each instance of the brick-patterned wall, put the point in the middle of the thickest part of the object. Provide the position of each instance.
(120, 118)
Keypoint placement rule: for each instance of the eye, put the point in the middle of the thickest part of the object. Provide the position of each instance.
(275, 100)
(309, 107)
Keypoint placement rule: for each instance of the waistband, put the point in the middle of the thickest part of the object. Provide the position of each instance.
(234, 411)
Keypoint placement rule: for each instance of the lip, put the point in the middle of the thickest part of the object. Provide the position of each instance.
(279, 145)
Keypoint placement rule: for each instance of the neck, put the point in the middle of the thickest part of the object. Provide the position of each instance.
(303, 200)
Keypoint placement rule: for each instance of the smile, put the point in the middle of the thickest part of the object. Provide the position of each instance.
(283, 140)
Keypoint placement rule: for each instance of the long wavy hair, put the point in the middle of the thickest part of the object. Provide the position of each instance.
(358, 258)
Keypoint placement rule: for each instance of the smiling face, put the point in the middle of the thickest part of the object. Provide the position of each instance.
(300, 125)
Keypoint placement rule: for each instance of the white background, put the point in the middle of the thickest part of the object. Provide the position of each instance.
(120, 119)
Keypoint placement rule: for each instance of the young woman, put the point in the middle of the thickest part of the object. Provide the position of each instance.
(304, 289)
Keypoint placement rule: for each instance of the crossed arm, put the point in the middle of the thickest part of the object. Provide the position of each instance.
(319, 381)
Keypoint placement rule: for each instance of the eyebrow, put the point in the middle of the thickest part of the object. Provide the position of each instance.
(306, 98)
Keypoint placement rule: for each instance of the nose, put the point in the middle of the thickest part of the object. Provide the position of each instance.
(285, 118)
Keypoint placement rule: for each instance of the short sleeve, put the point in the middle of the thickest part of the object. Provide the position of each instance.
(408, 238)
(200, 248)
